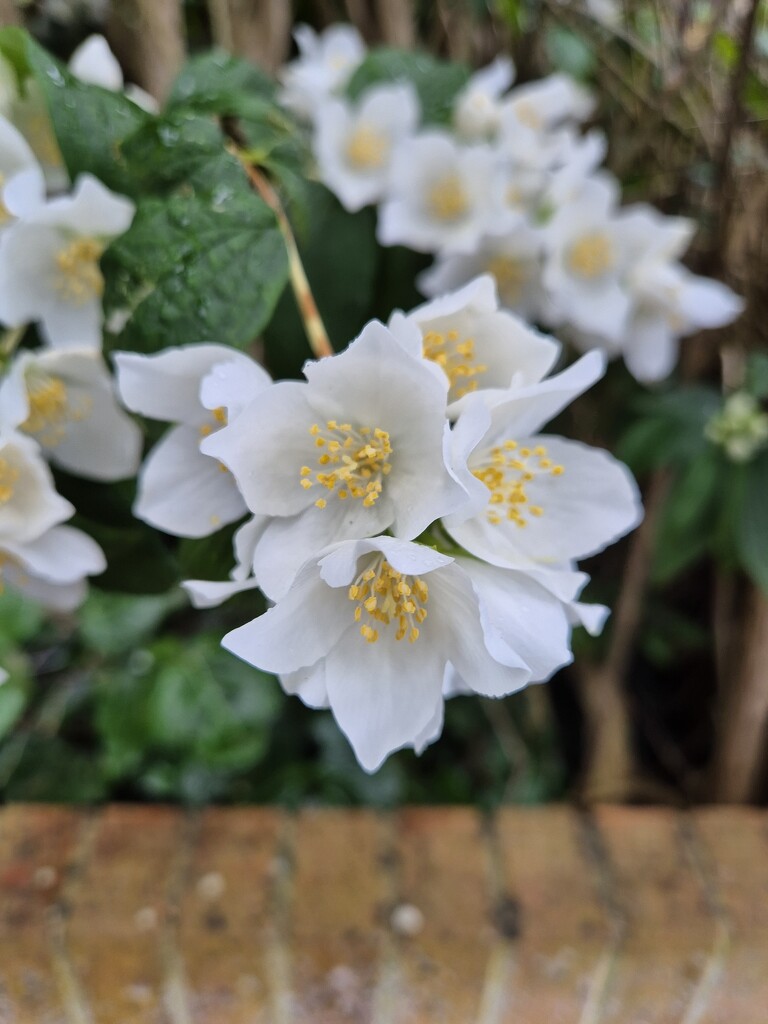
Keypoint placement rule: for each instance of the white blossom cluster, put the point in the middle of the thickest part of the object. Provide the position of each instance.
(57, 401)
(513, 188)
(415, 531)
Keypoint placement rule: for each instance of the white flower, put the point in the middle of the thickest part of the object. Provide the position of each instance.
(586, 263)
(741, 427)
(198, 388)
(44, 560)
(474, 344)
(49, 264)
(19, 174)
(667, 300)
(476, 112)
(65, 401)
(325, 63)
(443, 196)
(354, 451)
(4, 677)
(354, 143)
(548, 102)
(370, 627)
(543, 501)
(513, 260)
(29, 504)
(93, 62)
(29, 112)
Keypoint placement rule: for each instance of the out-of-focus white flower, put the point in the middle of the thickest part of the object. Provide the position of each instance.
(354, 451)
(514, 261)
(325, 63)
(668, 301)
(44, 560)
(181, 490)
(49, 263)
(93, 62)
(4, 677)
(476, 111)
(29, 504)
(474, 344)
(586, 263)
(29, 113)
(370, 627)
(20, 175)
(741, 427)
(354, 143)
(547, 501)
(443, 197)
(65, 401)
(547, 103)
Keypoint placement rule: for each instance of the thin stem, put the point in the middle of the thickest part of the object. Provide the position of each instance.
(10, 341)
(317, 335)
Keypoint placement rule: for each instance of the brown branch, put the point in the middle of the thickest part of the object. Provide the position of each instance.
(9, 13)
(396, 21)
(742, 742)
(259, 30)
(317, 335)
(609, 771)
(148, 38)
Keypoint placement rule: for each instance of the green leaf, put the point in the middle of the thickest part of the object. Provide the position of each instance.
(53, 770)
(341, 258)
(138, 562)
(207, 558)
(437, 82)
(670, 429)
(752, 524)
(757, 374)
(688, 518)
(183, 149)
(570, 53)
(196, 269)
(113, 624)
(215, 82)
(89, 122)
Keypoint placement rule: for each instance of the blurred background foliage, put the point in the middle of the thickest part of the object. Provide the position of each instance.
(133, 699)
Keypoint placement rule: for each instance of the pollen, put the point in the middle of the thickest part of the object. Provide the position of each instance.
(508, 472)
(386, 597)
(218, 420)
(447, 198)
(592, 256)
(511, 276)
(9, 474)
(456, 357)
(367, 149)
(51, 408)
(352, 463)
(78, 276)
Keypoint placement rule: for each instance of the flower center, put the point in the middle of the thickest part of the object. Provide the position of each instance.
(511, 275)
(591, 256)
(456, 358)
(352, 462)
(447, 198)
(384, 595)
(50, 409)
(367, 149)
(528, 115)
(506, 472)
(78, 277)
(219, 416)
(9, 474)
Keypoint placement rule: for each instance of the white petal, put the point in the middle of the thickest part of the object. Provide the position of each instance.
(210, 593)
(166, 386)
(183, 492)
(308, 684)
(709, 303)
(233, 384)
(92, 210)
(61, 555)
(30, 503)
(94, 62)
(298, 631)
(339, 567)
(650, 351)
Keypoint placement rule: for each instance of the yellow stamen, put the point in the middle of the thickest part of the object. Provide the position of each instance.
(78, 277)
(591, 256)
(447, 198)
(367, 149)
(387, 596)
(353, 463)
(456, 358)
(507, 477)
(9, 474)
